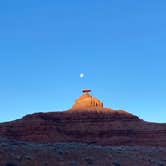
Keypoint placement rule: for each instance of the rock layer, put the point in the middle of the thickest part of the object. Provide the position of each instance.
(103, 128)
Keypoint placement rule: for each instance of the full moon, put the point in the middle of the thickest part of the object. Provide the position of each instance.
(82, 75)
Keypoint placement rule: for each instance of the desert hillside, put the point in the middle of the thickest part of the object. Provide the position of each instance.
(116, 128)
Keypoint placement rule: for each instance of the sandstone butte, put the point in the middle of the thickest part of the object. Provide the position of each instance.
(86, 122)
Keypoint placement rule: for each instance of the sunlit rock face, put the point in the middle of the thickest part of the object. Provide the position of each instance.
(86, 101)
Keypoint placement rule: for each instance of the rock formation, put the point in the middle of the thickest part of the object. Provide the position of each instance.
(86, 101)
(86, 122)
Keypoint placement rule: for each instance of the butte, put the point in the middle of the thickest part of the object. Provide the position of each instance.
(89, 104)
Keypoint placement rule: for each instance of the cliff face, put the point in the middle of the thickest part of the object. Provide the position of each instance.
(102, 128)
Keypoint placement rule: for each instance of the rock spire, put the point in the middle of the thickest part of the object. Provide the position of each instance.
(86, 101)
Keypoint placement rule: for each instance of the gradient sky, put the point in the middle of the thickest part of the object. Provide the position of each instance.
(119, 45)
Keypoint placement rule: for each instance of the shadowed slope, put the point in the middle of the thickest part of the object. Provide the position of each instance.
(104, 128)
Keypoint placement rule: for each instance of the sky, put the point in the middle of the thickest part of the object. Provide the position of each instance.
(120, 46)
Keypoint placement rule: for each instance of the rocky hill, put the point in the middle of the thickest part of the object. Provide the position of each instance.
(86, 134)
(103, 128)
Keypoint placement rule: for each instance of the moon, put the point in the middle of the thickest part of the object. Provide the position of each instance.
(82, 75)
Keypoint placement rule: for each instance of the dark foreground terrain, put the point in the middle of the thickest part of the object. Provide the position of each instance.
(19, 153)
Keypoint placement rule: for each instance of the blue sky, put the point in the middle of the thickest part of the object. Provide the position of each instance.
(120, 46)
